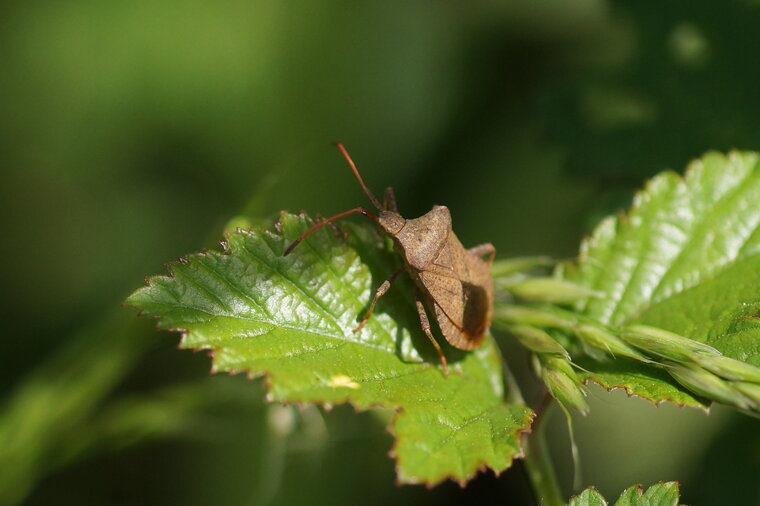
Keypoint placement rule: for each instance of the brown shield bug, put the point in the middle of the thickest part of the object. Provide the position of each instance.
(454, 282)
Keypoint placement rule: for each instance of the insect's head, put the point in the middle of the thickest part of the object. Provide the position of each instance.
(391, 221)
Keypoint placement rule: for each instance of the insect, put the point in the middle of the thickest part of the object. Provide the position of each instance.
(455, 283)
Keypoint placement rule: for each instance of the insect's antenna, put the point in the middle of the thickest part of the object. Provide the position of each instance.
(367, 192)
(321, 224)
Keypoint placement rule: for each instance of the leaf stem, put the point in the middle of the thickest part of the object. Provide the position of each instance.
(538, 461)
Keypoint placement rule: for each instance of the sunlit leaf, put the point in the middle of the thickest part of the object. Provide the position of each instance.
(291, 319)
(685, 258)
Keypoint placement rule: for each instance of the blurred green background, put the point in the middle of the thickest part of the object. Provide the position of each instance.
(130, 132)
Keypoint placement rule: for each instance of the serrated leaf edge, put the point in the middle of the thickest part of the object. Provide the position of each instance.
(481, 466)
(657, 403)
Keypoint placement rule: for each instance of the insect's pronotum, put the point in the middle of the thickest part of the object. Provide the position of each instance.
(455, 283)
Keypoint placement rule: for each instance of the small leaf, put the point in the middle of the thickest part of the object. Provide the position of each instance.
(661, 494)
(589, 497)
(291, 319)
(686, 259)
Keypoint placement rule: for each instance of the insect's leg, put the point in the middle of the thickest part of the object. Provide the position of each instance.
(378, 293)
(335, 228)
(426, 329)
(389, 200)
(484, 249)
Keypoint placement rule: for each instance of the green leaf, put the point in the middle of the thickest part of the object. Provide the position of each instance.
(685, 258)
(639, 379)
(661, 494)
(291, 319)
(589, 497)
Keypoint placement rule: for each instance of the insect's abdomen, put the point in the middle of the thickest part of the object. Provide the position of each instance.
(460, 292)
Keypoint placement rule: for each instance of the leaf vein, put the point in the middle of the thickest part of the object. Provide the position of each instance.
(314, 302)
(234, 287)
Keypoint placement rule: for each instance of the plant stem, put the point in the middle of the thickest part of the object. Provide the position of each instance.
(538, 462)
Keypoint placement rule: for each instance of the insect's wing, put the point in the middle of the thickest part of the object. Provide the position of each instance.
(460, 292)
